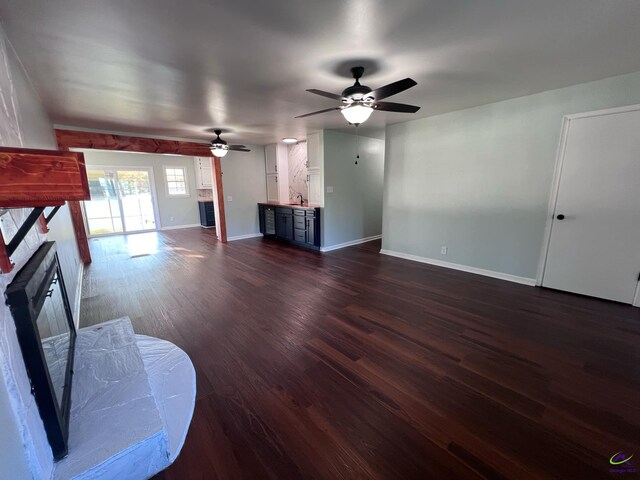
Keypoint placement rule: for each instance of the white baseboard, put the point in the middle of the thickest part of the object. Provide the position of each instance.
(464, 268)
(242, 237)
(350, 244)
(76, 305)
(177, 227)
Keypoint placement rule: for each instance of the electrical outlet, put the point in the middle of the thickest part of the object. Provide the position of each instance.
(329, 189)
(229, 198)
(171, 219)
(444, 250)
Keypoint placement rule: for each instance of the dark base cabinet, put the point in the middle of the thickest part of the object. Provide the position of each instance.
(207, 215)
(295, 225)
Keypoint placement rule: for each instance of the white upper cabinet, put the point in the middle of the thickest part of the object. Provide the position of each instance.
(204, 172)
(277, 169)
(315, 151)
(271, 159)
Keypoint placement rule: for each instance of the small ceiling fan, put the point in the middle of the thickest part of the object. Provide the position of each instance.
(360, 101)
(220, 148)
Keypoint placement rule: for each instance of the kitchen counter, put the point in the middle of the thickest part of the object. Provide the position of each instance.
(292, 223)
(291, 205)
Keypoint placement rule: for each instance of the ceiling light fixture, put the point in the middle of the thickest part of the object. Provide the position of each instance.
(219, 147)
(356, 114)
(290, 140)
(219, 150)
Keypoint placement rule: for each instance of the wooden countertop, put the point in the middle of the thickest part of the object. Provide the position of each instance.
(305, 206)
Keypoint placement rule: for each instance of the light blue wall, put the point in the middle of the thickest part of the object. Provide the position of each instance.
(478, 180)
(354, 210)
(244, 179)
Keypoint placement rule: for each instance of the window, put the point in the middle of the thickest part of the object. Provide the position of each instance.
(176, 178)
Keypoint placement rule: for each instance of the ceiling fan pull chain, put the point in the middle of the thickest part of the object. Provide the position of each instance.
(357, 146)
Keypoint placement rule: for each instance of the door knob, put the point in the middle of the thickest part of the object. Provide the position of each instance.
(560, 217)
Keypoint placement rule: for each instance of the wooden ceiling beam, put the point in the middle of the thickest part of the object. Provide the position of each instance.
(68, 139)
(107, 141)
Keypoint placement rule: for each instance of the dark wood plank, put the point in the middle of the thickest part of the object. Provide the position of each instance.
(355, 365)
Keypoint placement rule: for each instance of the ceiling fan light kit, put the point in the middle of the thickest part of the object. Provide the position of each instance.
(359, 101)
(220, 148)
(356, 114)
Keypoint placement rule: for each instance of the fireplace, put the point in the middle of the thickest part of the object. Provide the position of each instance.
(38, 301)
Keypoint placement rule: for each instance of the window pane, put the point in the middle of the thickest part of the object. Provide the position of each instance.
(176, 181)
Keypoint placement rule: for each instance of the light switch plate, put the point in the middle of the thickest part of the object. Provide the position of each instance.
(229, 198)
(329, 189)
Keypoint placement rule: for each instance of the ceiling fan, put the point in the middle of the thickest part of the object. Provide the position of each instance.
(360, 101)
(220, 148)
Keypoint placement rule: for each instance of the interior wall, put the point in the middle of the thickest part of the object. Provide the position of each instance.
(353, 211)
(244, 182)
(25, 451)
(478, 180)
(173, 212)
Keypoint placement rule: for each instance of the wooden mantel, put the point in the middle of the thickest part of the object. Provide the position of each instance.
(68, 139)
(41, 178)
(38, 179)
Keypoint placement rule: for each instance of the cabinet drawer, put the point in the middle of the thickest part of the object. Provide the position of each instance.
(284, 211)
(299, 235)
(311, 213)
(298, 222)
(298, 211)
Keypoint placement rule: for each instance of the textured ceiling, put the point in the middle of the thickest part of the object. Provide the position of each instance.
(179, 68)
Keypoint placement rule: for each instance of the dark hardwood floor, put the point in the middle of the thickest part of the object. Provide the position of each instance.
(351, 364)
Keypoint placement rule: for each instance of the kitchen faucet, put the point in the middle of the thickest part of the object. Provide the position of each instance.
(301, 199)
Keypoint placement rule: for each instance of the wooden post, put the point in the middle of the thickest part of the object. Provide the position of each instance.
(75, 210)
(218, 192)
(81, 234)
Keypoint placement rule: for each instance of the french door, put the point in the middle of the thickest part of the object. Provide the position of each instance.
(122, 200)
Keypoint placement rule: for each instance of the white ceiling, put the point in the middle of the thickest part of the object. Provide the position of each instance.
(180, 67)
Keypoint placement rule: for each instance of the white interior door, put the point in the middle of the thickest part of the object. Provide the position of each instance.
(594, 247)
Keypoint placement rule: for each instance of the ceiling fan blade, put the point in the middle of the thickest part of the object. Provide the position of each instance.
(238, 148)
(395, 107)
(319, 111)
(322, 93)
(393, 88)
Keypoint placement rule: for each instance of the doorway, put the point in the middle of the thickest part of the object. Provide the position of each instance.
(594, 233)
(123, 200)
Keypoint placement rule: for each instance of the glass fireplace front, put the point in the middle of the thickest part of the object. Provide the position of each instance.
(38, 301)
